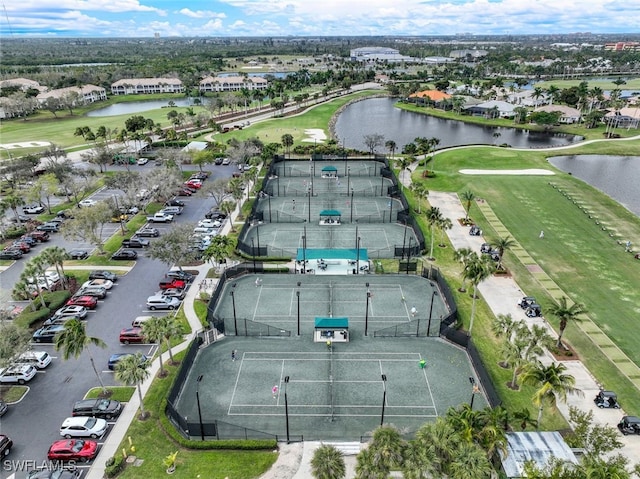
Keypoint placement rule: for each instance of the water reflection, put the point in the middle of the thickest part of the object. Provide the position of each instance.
(617, 176)
(138, 106)
(380, 116)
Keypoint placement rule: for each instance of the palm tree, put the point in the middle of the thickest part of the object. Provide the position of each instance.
(463, 255)
(12, 202)
(403, 163)
(366, 468)
(420, 192)
(132, 370)
(387, 448)
(443, 225)
(31, 273)
(327, 463)
(391, 146)
(219, 249)
(227, 207)
(470, 462)
(513, 356)
(566, 314)
(287, 142)
(152, 330)
(468, 197)
(502, 245)
(73, 340)
(56, 256)
(524, 418)
(504, 325)
(551, 382)
(434, 217)
(171, 328)
(478, 269)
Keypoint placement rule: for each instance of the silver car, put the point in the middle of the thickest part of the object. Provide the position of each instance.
(83, 427)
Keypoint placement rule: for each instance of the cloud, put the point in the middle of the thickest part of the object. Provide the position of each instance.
(201, 13)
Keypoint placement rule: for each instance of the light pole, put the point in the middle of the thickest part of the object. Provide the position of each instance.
(270, 220)
(348, 178)
(358, 257)
(286, 406)
(119, 213)
(351, 205)
(233, 302)
(253, 253)
(390, 210)
(435, 291)
(199, 378)
(309, 208)
(474, 390)
(404, 240)
(384, 397)
(366, 313)
(298, 297)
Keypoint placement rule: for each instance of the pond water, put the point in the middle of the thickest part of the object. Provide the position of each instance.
(380, 116)
(138, 106)
(617, 176)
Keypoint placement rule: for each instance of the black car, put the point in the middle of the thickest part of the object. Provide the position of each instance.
(10, 254)
(179, 274)
(215, 214)
(98, 292)
(102, 274)
(102, 408)
(78, 254)
(3, 408)
(65, 214)
(124, 254)
(30, 240)
(135, 243)
(174, 202)
(629, 425)
(114, 359)
(148, 232)
(54, 474)
(48, 227)
(5, 445)
(47, 334)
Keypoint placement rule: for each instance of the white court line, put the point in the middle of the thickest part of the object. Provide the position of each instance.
(424, 371)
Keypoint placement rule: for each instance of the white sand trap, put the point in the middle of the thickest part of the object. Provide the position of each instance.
(314, 135)
(29, 144)
(532, 171)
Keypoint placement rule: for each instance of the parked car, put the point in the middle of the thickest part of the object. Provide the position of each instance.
(40, 236)
(39, 359)
(97, 291)
(629, 425)
(162, 302)
(77, 311)
(196, 184)
(184, 192)
(103, 274)
(47, 334)
(172, 293)
(180, 274)
(5, 445)
(172, 283)
(140, 320)
(83, 427)
(148, 232)
(485, 248)
(3, 410)
(89, 302)
(18, 373)
(131, 335)
(142, 161)
(210, 223)
(10, 254)
(172, 210)
(124, 254)
(51, 227)
(218, 161)
(65, 214)
(226, 161)
(87, 203)
(78, 254)
(20, 218)
(98, 283)
(114, 359)
(30, 240)
(22, 246)
(215, 214)
(33, 209)
(102, 408)
(54, 474)
(73, 450)
(135, 243)
(174, 202)
(60, 321)
(607, 400)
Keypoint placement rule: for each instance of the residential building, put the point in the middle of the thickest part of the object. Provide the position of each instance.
(622, 46)
(86, 93)
(492, 109)
(568, 115)
(23, 83)
(141, 86)
(232, 83)
(434, 98)
(626, 117)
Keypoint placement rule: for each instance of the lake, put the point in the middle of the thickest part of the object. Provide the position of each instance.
(138, 106)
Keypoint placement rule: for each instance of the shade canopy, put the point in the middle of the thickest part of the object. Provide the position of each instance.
(331, 323)
(330, 213)
(329, 168)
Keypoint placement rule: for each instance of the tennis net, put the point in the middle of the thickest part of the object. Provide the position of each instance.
(331, 385)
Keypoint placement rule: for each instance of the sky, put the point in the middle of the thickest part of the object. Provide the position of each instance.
(241, 18)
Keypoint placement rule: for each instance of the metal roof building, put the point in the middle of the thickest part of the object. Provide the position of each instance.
(537, 447)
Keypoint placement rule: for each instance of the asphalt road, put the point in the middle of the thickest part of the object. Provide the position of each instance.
(33, 423)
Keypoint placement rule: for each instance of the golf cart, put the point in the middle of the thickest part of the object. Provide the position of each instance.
(607, 399)
(527, 301)
(629, 425)
(533, 311)
(475, 231)
(485, 248)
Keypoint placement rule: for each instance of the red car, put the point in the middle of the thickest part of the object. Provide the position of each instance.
(194, 184)
(90, 302)
(73, 450)
(183, 192)
(172, 283)
(131, 335)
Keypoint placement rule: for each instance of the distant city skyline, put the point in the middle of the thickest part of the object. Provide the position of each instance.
(258, 18)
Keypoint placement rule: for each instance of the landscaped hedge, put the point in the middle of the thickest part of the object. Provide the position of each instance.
(114, 466)
(53, 300)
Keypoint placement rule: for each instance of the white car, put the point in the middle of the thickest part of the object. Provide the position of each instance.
(19, 373)
(45, 281)
(79, 312)
(226, 161)
(142, 161)
(81, 426)
(208, 223)
(103, 283)
(84, 203)
(33, 209)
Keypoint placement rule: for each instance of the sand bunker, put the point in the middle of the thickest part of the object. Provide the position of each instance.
(30, 144)
(532, 171)
(314, 135)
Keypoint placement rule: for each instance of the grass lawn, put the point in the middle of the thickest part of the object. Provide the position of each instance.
(118, 393)
(587, 263)
(152, 445)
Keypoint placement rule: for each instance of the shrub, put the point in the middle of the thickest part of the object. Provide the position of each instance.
(27, 318)
(114, 466)
(16, 232)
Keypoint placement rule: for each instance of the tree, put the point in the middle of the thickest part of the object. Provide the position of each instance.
(477, 270)
(551, 382)
(523, 416)
(391, 146)
(421, 192)
(464, 256)
(13, 202)
(444, 224)
(546, 119)
(387, 449)
(434, 217)
(170, 329)
(227, 208)
(73, 341)
(152, 330)
(219, 250)
(566, 314)
(327, 463)
(56, 256)
(502, 245)
(468, 197)
(88, 224)
(14, 340)
(132, 370)
(595, 440)
(373, 141)
(218, 189)
(174, 246)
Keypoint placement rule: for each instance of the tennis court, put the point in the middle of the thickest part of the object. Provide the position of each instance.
(372, 301)
(335, 393)
(303, 186)
(329, 168)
